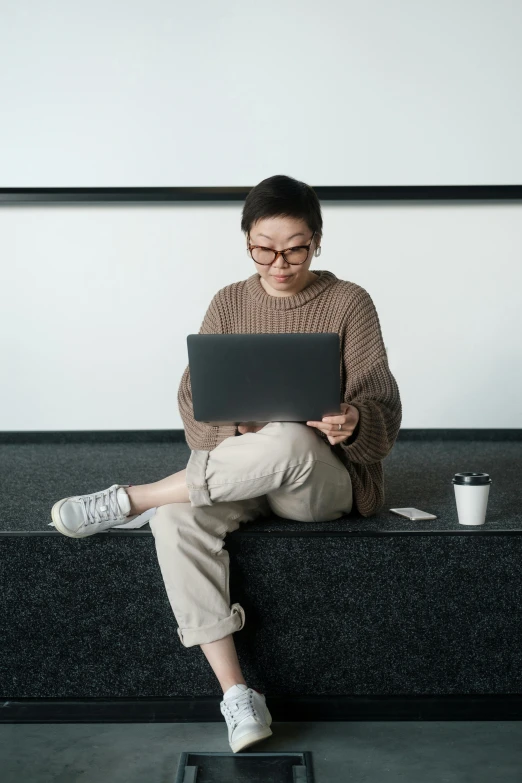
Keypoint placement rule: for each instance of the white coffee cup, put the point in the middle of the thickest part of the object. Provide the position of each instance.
(471, 495)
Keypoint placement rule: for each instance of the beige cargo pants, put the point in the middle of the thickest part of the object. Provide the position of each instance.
(286, 468)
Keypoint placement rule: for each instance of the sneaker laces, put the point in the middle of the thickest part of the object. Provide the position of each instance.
(240, 707)
(100, 512)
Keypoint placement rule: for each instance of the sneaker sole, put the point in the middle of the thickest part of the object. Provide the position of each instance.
(250, 739)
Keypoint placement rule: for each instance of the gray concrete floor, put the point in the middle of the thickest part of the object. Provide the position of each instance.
(351, 751)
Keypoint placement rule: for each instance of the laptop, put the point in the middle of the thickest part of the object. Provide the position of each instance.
(251, 378)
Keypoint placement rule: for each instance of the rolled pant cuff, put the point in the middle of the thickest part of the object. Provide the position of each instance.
(211, 633)
(195, 478)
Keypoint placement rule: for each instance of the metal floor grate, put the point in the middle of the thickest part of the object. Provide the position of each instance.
(289, 767)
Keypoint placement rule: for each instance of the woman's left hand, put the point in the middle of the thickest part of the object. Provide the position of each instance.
(348, 420)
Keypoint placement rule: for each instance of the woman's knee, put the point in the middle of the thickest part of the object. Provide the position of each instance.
(298, 439)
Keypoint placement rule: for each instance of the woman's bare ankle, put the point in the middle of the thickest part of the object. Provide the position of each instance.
(226, 685)
(172, 489)
(222, 657)
(139, 501)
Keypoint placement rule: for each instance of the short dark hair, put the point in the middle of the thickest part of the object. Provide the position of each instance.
(282, 196)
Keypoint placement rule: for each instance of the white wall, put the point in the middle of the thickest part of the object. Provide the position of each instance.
(97, 301)
(165, 93)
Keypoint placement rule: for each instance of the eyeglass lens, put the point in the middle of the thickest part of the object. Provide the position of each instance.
(296, 255)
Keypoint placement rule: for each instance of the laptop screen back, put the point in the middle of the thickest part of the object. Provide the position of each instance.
(242, 378)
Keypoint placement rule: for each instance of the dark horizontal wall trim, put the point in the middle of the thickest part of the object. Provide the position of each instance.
(95, 436)
(324, 192)
(472, 530)
(178, 436)
(290, 708)
(461, 434)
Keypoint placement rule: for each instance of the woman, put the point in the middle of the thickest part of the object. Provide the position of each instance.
(308, 472)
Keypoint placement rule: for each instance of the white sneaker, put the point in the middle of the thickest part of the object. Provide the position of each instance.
(83, 515)
(247, 716)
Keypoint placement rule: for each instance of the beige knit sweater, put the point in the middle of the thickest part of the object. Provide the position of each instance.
(327, 304)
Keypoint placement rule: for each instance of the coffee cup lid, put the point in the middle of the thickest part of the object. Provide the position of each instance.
(471, 478)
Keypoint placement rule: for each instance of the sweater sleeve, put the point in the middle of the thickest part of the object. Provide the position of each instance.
(198, 434)
(369, 385)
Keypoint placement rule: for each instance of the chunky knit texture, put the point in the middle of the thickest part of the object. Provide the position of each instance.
(327, 304)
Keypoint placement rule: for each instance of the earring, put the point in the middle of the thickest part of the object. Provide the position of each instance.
(318, 251)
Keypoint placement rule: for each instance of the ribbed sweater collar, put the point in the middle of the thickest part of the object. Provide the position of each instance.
(269, 302)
